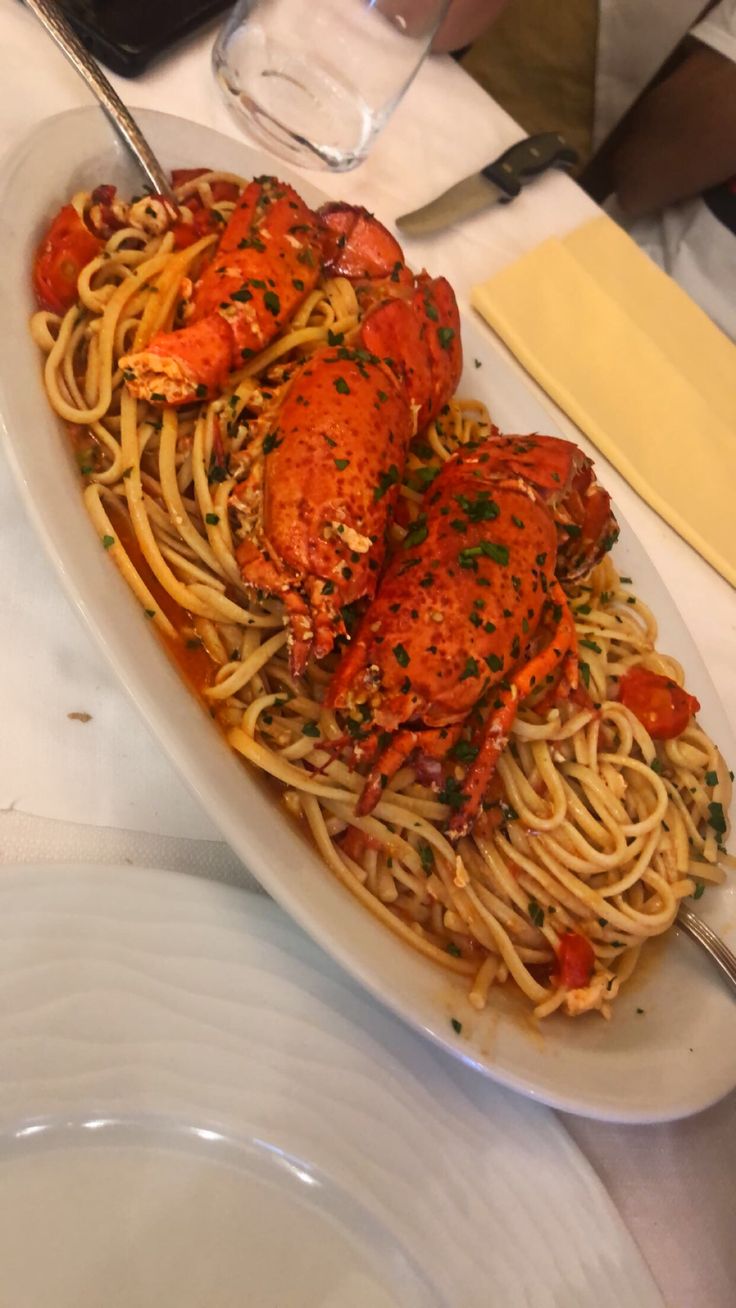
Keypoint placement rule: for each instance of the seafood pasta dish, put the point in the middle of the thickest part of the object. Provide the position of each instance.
(410, 620)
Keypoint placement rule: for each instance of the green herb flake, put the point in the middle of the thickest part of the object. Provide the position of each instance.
(272, 302)
(456, 1026)
(401, 656)
(310, 728)
(298, 285)
(445, 335)
(416, 533)
(590, 644)
(711, 778)
(341, 464)
(212, 519)
(716, 818)
(426, 856)
(471, 669)
(699, 889)
(385, 481)
(107, 541)
(270, 442)
(463, 752)
(341, 386)
(536, 913)
(453, 950)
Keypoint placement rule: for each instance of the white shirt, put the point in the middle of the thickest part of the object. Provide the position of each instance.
(686, 239)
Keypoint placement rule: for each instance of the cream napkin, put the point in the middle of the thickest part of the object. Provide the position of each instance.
(637, 366)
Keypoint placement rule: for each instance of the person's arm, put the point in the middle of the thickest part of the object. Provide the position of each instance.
(465, 20)
(680, 138)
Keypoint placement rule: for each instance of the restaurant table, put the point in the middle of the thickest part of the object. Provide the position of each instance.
(103, 792)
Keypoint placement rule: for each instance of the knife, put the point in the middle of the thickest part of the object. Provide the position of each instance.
(498, 183)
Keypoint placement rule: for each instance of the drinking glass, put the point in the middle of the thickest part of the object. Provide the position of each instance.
(316, 80)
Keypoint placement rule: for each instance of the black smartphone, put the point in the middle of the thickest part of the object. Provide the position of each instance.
(127, 34)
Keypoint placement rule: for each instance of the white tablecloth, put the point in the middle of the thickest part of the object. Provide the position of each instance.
(673, 1184)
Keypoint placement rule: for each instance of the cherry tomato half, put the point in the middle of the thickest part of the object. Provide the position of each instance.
(67, 246)
(661, 706)
(576, 959)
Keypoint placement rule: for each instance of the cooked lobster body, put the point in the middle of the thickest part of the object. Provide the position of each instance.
(470, 614)
(326, 475)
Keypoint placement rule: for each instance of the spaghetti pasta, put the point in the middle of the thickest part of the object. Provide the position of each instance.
(590, 828)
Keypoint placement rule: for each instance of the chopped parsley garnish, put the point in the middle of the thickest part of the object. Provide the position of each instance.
(590, 644)
(242, 296)
(456, 1026)
(490, 549)
(426, 856)
(107, 541)
(656, 766)
(270, 442)
(453, 949)
(463, 751)
(385, 481)
(341, 386)
(699, 889)
(272, 302)
(150, 613)
(452, 794)
(711, 778)
(401, 656)
(481, 509)
(341, 464)
(416, 533)
(445, 335)
(536, 913)
(494, 662)
(212, 519)
(471, 669)
(310, 728)
(423, 477)
(716, 818)
(298, 285)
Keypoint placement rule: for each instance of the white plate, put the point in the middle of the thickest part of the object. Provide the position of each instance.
(197, 1107)
(676, 1057)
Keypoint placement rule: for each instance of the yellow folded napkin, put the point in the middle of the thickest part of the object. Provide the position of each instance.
(637, 366)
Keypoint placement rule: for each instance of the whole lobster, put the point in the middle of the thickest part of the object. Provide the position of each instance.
(319, 478)
(470, 616)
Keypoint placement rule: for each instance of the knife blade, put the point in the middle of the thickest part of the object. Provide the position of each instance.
(498, 183)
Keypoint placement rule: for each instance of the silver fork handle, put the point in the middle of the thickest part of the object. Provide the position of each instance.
(711, 943)
(51, 17)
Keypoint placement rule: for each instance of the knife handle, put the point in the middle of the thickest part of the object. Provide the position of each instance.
(529, 158)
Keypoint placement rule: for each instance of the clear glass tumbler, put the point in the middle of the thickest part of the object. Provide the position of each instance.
(315, 80)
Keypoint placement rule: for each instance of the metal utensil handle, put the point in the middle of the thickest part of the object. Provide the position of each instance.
(700, 931)
(49, 14)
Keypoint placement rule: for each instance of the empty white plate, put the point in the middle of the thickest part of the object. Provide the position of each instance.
(198, 1108)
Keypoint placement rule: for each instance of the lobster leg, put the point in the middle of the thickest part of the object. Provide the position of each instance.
(433, 742)
(563, 646)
